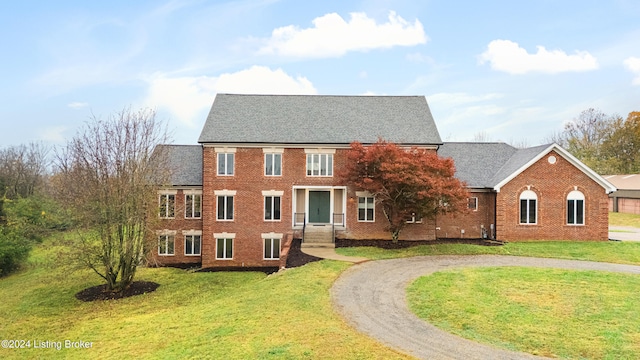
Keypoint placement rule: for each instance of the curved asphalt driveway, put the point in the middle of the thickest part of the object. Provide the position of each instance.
(371, 296)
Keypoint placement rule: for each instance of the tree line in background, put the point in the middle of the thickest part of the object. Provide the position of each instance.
(608, 144)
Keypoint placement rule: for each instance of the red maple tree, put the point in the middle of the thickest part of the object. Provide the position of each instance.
(405, 182)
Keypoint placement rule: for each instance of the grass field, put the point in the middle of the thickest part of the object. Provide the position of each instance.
(547, 312)
(622, 219)
(231, 315)
(224, 315)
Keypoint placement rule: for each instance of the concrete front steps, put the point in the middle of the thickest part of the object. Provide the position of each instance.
(321, 234)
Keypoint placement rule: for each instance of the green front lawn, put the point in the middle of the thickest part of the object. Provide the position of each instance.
(547, 312)
(607, 251)
(223, 315)
(622, 219)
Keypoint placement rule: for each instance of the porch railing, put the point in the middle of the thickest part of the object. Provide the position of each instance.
(338, 219)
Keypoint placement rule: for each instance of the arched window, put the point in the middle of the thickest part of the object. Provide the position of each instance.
(575, 208)
(528, 207)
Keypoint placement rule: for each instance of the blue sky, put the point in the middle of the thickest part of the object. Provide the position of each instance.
(514, 71)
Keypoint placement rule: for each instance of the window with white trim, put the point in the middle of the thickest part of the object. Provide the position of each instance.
(319, 164)
(192, 205)
(273, 164)
(472, 203)
(272, 208)
(166, 244)
(225, 208)
(167, 206)
(192, 244)
(575, 208)
(224, 248)
(271, 248)
(528, 207)
(366, 206)
(225, 163)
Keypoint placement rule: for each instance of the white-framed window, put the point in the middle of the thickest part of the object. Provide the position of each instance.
(224, 204)
(528, 207)
(319, 164)
(226, 160)
(272, 208)
(167, 202)
(366, 208)
(166, 244)
(193, 205)
(272, 243)
(192, 242)
(575, 208)
(273, 164)
(472, 203)
(414, 219)
(224, 245)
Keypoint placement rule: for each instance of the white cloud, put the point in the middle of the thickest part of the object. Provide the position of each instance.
(52, 134)
(633, 65)
(77, 105)
(508, 56)
(332, 36)
(186, 97)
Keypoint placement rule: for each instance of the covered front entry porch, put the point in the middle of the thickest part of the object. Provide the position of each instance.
(319, 205)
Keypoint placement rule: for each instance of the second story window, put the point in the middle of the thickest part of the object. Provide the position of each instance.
(192, 206)
(167, 206)
(225, 163)
(319, 164)
(273, 164)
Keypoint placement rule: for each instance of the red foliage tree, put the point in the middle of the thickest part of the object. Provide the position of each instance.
(404, 182)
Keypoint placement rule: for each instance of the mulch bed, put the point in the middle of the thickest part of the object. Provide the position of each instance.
(100, 292)
(296, 257)
(403, 244)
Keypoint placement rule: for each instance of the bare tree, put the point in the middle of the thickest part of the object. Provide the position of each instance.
(22, 169)
(106, 174)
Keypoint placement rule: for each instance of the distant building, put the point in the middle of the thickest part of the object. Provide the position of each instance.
(627, 198)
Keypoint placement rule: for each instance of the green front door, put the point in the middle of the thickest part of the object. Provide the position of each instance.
(319, 206)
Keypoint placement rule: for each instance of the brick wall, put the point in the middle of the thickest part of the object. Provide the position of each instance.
(180, 225)
(552, 183)
(472, 222)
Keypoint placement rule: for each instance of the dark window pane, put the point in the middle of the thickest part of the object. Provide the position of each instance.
(220, 249)
(229, 248)
(197, 239)
(230, 158)
(197, 205)
(580, 212)
(361, 214)
(276, 248)
(369, 214)
(523, 211)
(221, 207)
(188, 206)
(532, 211)
(268, 164)
(268, 205)
(571, 212)
(171, 205)
(276, 208)
(229, 207)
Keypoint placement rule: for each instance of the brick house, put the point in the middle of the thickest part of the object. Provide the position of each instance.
(264, 174)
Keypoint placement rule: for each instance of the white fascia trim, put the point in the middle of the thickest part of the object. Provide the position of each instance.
(167, 192)
(319, 151)
(224, 235)
(225, 192)
(271, 235)
(272, 150)
(608, 187)
(272, 193)
(192, 232)
(225, 149)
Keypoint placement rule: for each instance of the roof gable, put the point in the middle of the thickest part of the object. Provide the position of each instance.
(530, 156)
(319, 119)
(477, 162)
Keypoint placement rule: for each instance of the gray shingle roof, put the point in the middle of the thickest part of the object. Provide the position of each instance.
(319, 119)
(477, 163)
(185, 162)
